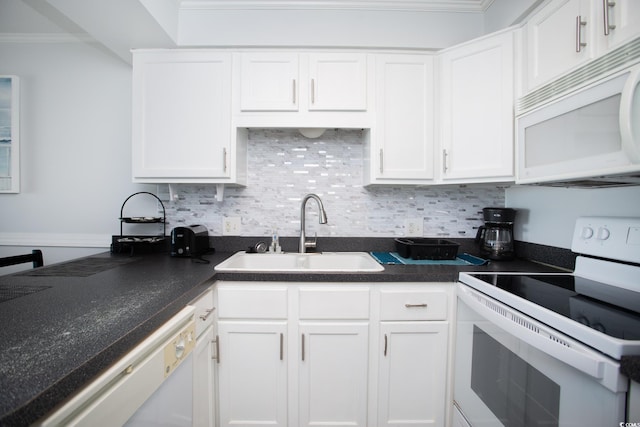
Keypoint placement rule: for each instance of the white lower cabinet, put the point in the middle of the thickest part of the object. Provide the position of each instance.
(204, 380)
(204, 397)
(413, 355)
(332, 354)
(252, 362)
(412, 374)
(333, 374)
(252, 373)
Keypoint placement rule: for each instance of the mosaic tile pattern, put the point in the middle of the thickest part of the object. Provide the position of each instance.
(284, 166)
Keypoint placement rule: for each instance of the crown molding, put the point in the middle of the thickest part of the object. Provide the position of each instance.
(391, 5)
(46, 38)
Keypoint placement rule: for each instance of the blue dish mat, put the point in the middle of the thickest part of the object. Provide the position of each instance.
(394, 258)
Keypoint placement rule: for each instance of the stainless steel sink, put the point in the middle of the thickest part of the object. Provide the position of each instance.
(336, 262)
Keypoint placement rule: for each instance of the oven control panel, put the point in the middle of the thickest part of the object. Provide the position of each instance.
(616, 238)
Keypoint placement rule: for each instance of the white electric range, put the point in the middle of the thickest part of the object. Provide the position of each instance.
(544, 349)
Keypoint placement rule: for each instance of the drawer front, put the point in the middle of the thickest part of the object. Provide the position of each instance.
(204, 311)
(252, 303)
(334, 304)
(413, 305)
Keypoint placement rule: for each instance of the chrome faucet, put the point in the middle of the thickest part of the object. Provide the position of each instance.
(304, 244)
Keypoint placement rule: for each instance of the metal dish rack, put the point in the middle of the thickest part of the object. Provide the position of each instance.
(140, 243)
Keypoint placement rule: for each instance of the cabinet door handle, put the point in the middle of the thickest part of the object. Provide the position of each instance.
(386, 342)
(313, 91)
(294, 91)
(303, 347)
(606, 4)
(444, 161)
(224, 159)
(281, 346)
(216, 356)
(381, 161)
(579, 24)
(423, 305)
(208, 312)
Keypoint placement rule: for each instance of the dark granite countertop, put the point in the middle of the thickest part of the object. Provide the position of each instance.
(88, 313)
(76, 325)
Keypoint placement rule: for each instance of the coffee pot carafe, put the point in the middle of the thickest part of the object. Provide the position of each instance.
(496, 236)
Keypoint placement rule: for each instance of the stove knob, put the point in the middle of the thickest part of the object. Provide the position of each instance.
(603, 233)
(587, 233)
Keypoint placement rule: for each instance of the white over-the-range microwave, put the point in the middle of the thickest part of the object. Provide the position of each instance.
(589, 137)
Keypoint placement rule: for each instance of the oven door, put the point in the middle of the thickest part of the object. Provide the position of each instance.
(513, 371)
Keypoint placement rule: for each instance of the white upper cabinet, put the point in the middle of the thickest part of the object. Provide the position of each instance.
(476, 110)
(182, 118)
(559, 38)
(269, 82)
(619, 21)
(400, 147)
(338, 81)
(567, 33)
(302, 82)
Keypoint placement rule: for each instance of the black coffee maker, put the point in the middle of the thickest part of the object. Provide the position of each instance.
(496, 236)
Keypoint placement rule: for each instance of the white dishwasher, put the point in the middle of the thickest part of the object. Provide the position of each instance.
(151, 385)
(187, 397)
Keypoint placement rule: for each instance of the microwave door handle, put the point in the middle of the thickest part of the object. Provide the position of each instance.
(513, 323)
(629, 114)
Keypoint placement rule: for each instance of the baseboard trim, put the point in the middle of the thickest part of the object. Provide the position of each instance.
(67, 240)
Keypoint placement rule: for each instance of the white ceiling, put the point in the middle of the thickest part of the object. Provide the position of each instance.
(406, 5)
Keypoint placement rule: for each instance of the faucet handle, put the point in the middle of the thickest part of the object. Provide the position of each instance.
(311, 244)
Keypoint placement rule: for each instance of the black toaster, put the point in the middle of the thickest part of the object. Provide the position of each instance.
(191, 241)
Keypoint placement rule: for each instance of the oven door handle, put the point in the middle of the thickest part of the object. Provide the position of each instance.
(535, 333)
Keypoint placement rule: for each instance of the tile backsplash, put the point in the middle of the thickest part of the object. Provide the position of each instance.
(284, 166)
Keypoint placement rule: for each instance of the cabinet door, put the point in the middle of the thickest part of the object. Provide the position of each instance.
(412, 373)
(181, 116)
(402, 142)
(204, 402)
(552, 39)
(252, 373)
(337, 82)
(477, 110)
(333, 374)
(269, 82)
(623, 17)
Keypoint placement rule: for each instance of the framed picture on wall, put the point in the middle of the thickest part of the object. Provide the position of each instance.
(9, 134)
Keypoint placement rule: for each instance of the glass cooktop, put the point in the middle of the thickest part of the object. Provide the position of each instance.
(605, 308)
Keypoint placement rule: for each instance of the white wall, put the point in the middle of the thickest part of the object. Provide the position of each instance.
(341, 28)
(547, 215)
(75, 147)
